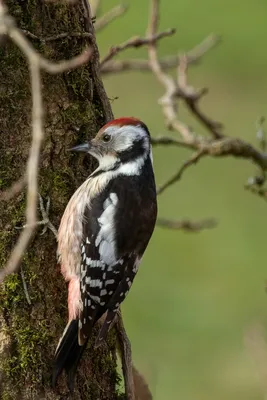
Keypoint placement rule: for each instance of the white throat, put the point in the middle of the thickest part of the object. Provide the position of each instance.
(107, 164)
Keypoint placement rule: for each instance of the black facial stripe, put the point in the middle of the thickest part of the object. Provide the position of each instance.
(135, 151)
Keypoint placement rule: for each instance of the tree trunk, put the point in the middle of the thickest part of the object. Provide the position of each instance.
(30, 332)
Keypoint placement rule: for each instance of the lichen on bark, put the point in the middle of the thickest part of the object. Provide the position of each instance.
(29, 332)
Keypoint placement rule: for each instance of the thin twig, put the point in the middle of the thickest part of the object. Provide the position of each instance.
(136, 387)
(168, 101)
(192, 160)
(187, 225)
(124, 346)
(32, 170)
(259, 191)
(13, 190)
(114, 13)
(191, 98)
(59, 36)
(36, 62)
(193, 58)
(25, 286)
(135, 42)
(117, 66)
(169, 141)
(194, 55)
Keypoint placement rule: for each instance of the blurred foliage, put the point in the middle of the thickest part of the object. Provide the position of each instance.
(196, 294)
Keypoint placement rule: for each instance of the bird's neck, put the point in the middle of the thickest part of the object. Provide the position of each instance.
(116, 166)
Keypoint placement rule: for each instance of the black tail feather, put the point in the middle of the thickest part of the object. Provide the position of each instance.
(68, 354)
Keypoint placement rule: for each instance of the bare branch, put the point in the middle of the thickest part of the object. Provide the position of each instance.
(191, 98)
(261, 136)
(192, 160)
(135, 42)
(168, 101)
(136, 387)
(25, 286)
(169, 141)
(187, 225)
(193, 57)
(36, 62)
(32, 168)
(124, 347)
(60, 36)
(114, 13)
(214, 148)
(117, 66)
(255, 188)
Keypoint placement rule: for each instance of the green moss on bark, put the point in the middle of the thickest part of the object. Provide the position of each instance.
(71, 99)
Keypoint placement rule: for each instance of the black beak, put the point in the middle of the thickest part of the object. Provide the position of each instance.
(81, 147)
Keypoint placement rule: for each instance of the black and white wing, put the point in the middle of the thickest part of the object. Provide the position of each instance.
(116, 230)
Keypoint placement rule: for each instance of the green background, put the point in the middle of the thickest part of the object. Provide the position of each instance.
(197, 295)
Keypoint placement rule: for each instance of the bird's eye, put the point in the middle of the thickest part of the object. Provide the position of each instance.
(106, 137)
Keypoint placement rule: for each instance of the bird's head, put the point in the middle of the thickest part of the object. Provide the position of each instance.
(120, 141)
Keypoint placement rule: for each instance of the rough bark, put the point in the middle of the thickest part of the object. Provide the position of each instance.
(29, 332)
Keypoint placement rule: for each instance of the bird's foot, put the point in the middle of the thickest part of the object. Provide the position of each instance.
(45, 215)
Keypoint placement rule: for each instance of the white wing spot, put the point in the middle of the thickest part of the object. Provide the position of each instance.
(83, 288)
(109, 282)
(95, 298)
(114, 198)
(103, 292)
(106, 236)
(87, 241)
(110, 292)
(96, 283)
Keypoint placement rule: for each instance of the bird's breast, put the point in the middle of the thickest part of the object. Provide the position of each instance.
(70, 232)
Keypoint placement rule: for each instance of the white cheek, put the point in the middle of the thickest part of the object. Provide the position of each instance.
(123, 142)
(107, 162)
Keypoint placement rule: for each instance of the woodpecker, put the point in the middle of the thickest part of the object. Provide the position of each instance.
(103, 234)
